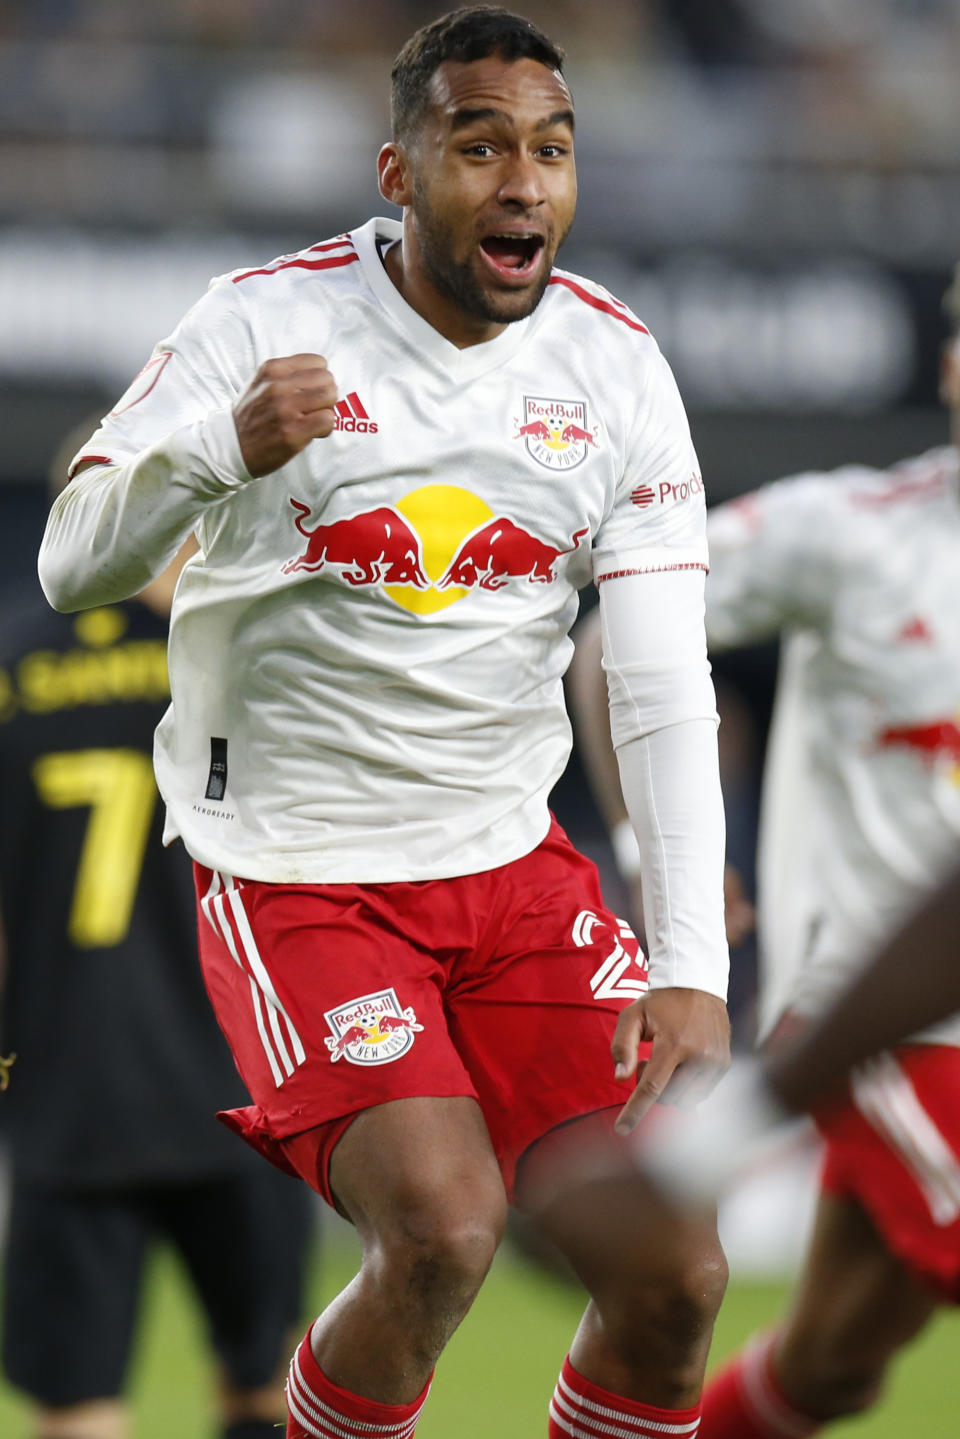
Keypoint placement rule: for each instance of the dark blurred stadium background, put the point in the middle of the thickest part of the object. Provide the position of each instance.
(774, 185)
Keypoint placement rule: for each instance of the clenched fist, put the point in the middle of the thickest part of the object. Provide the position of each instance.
(288, 403)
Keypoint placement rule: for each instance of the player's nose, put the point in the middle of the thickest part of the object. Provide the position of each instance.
(523, 183)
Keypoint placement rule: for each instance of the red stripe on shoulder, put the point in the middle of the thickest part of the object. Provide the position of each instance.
(88, 460)
(597, 304)
(333, 262)
(337, 244)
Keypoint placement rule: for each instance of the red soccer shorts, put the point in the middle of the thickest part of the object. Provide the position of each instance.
(504, 986)
(894, 1148)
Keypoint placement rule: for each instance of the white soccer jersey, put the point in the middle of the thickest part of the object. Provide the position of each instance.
(860, 570)
(366, 655)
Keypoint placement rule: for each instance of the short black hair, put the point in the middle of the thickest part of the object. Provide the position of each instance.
(473, 33)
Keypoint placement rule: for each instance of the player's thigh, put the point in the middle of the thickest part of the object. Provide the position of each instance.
(420, 1171)
(245, 1239)
(534, 1021)
(74, 1266)
(855, 1303)
(633, 1250)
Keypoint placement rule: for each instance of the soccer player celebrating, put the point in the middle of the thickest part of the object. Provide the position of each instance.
(859, 573)
(402, 451)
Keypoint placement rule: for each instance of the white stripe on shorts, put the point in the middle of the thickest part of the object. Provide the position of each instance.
(886, 1098)
(223, 907)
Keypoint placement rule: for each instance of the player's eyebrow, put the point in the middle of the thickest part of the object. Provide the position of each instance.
(559, 117)
(465, 117)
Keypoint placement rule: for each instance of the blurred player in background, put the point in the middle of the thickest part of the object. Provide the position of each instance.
(859, 572)
(120, 1064)
(415, 969)
(913, 982)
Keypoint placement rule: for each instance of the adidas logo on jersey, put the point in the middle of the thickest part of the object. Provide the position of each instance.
(916, 631)
(352, 417)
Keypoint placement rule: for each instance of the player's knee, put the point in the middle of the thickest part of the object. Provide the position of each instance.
(690, 1294)
(668, 1314)
(443, 1240)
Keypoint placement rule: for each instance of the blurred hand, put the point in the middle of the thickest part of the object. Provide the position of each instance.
(288, 403)
(739, 913)
(690, 1033)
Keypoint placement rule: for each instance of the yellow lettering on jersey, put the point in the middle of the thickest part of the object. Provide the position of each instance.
(8, 696)
(48, 680)
(100, 627)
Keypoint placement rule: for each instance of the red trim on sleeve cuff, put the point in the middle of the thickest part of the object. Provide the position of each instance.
(652, 570)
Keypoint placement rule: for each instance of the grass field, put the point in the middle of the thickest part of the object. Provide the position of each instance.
(498, 1373)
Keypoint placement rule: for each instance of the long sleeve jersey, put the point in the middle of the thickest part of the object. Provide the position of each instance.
(366, 654)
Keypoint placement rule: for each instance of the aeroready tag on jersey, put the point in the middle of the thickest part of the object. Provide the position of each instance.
(371, 1030)
(217, 778)
(555, 432)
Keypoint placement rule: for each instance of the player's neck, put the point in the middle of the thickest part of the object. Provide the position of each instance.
(446, 317)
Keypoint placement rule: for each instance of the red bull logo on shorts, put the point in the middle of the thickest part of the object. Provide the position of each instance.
(371, 1030)
(555, 432)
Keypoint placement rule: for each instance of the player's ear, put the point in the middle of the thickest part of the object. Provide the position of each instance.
(395, 174)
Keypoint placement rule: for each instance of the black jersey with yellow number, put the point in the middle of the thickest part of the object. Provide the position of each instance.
(120, 1064)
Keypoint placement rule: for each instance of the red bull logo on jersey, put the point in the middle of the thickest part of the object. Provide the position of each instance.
(371, 1030)
(555, 432)
(434, 547)
(371, 548)
(500, 551)
(937, 743)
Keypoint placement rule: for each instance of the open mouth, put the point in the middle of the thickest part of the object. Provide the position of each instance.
(512, 256)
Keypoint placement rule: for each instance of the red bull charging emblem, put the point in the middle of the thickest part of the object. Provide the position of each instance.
(433, 547)
(555, 432)
(936, 743)
(371, 1030)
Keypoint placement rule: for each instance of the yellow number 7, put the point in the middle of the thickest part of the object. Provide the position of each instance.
(119, 787)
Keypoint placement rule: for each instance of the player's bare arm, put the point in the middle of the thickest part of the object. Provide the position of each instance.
(288, 403)
(690, 1031)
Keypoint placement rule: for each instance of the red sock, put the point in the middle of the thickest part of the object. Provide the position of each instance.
(586, 1411)
(321, 1410)
(745, 1400)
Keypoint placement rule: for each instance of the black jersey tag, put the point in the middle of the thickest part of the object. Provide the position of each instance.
(217, 778)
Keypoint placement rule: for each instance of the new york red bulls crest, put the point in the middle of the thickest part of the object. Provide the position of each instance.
(556, 433)
(372, 1029)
